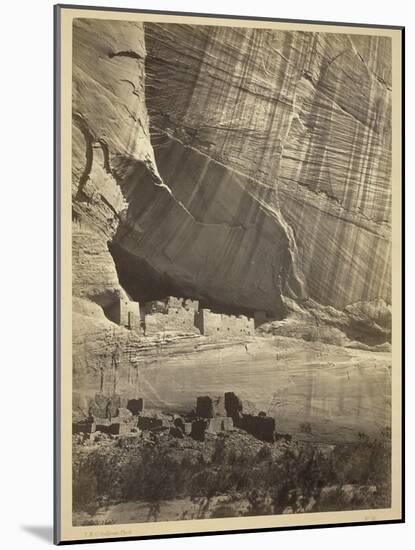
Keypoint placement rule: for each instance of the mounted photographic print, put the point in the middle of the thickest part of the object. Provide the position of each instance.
(228, 274)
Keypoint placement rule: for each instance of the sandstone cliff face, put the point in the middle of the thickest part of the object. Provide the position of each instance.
(248, 169)
(264, 169)
(110, 122)
(278, 144)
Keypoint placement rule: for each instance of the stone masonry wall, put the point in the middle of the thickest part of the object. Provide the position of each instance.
(211, 324)
(175, 320)
(125, 313)
(178, 314)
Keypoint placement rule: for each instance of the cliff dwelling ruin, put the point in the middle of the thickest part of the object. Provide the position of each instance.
(173, 314)
(231, 270)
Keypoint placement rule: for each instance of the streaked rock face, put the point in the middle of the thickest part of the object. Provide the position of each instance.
(268, 169)
(283, 139)
(110, 121)
(248, 169)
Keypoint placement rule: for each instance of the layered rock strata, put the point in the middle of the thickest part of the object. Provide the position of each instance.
(278, 145)
(271, 173)
(245, 168)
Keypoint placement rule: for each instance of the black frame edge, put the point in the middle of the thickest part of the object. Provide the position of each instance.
(233, 532)
(56, 276)
(403, 356)
(227, 16)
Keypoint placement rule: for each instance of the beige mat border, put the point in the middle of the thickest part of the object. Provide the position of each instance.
(65, 531)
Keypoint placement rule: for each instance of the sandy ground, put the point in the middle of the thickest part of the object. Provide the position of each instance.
(169, 510)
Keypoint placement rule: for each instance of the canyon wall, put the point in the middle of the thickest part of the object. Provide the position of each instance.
(249, 169)
(278, 144)
(110, 120)
(263, 170)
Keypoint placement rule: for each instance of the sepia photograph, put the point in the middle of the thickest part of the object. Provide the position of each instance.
(230, 210)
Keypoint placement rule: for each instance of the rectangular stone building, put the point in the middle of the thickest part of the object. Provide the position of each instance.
(125, 313)
(208, 323)
(177, 316)
(211, 324)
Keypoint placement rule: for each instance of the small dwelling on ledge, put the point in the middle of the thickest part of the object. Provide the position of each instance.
(125, 313)
(174, 314)
(211, 324)
(171, 314)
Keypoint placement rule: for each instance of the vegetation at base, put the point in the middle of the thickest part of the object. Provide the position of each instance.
(286, 477)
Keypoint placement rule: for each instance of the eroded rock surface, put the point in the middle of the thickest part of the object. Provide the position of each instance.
(278, 144)
(249, 169)
(268, 168)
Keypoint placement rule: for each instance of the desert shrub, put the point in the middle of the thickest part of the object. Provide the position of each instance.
(297, 479)
(220, 450)
(257, 503)
(366, 462)
(305, 427)
(300, 477)
(84, 486)
(224, 511)
(264, 453)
